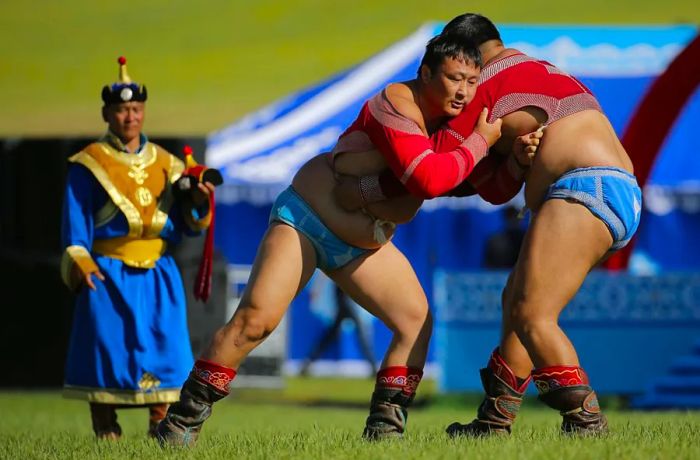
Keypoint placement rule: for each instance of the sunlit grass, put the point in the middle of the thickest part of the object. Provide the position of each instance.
(328, 425)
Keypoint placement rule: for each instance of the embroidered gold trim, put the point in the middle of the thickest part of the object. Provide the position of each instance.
(115, 396)
(177, 167)
(76, 255)
(144, 196)
(132, 214)
(137, 161)
(148, 381)
(160, 216)
(106, 214)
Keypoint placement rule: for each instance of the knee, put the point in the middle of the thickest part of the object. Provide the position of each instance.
(416, 321)
(525, 317)
(249, 326)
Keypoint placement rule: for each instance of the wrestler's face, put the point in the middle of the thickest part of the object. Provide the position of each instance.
(125, 119)
(451, 86)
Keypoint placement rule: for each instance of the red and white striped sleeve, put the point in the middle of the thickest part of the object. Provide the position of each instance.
(410, 154)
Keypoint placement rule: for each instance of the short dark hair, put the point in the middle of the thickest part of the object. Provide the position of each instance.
(445, 46)
(472, 27)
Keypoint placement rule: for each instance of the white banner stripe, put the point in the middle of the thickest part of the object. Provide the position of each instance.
(356, 85)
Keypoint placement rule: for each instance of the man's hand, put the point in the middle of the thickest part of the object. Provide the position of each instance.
(525, 147)
(491, 132)
(347, 192)
(200, 196)
(78, 278)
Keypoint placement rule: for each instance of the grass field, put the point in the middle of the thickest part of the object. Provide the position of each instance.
(208, 63)
(322, 419)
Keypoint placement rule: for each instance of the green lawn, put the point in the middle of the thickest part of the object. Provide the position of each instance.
(269, 424)
(207, 63)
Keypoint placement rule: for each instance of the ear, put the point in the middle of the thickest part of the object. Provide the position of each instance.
(425, 73)
(104, 113)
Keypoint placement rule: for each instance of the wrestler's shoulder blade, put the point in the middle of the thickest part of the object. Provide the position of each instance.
(401, 98)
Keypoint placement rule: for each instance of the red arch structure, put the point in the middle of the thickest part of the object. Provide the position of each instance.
(654, 118)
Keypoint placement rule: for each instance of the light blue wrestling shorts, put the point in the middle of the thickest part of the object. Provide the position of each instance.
(331, 251)
(612, 194)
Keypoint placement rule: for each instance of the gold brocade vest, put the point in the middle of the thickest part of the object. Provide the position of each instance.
(138, 185)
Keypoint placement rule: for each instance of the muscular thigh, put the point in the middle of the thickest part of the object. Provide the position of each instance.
(384, 283)
(283, 265)
(564, 241)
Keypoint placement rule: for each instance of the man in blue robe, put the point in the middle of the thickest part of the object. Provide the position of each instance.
(129, 345)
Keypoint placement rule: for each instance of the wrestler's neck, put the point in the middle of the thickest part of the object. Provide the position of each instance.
(433, 117)
(493, 50)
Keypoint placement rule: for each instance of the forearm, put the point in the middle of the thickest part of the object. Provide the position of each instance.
(505, 182)
(426, 180)
(398, 210)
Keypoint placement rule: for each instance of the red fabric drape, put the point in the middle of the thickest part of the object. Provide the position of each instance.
(653, 120)
(202, 284)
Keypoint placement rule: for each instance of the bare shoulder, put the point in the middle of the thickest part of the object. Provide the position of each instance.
(401, 98)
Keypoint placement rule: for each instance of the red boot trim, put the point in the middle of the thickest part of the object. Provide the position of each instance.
(400, 377)
(213, 374)
(503, 371)
(554, 377)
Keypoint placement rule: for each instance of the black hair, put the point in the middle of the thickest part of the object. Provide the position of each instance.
(445, 46)
(473, 28)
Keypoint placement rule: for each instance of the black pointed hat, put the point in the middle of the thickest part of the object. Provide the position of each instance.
(123, 90)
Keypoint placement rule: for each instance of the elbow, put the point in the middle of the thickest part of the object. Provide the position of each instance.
(496, 199)
(423, 190)
(423, 184)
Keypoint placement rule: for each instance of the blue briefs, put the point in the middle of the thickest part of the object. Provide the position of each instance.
(612, 194)
(331, 251)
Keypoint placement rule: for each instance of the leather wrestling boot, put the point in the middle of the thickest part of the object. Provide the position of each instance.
(156, 413)
(207, 383)
(393, 394)
(567, 389)
(504, 395)
(104, 421)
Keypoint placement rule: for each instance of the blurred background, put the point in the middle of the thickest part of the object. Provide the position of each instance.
(257, 88)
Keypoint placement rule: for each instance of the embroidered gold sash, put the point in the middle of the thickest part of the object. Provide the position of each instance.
(139, 186)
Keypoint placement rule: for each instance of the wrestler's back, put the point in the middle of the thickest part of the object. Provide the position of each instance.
(581, 140)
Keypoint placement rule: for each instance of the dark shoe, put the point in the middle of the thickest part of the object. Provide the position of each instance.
(104, 422)
(579, 408)
(497, 411)
(183, 422)
(491, 418)
(387, 415)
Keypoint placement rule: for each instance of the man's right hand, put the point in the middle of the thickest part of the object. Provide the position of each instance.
(525, 147)
(491, 132)
(347, 192)
(78, 278)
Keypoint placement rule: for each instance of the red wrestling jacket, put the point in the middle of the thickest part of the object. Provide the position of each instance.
(505, 86)
(408, 151)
